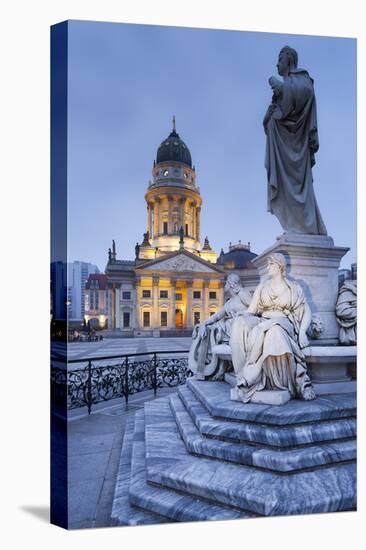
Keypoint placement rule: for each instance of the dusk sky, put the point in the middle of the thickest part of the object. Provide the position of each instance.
(126, 82)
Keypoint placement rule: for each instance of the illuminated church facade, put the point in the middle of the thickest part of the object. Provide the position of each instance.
(175, 280)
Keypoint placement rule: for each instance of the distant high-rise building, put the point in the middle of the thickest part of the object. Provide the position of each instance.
(77, 275)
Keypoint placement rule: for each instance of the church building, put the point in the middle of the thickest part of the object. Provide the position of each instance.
(175, 281)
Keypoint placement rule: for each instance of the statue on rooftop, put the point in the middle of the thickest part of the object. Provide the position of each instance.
(290, 124)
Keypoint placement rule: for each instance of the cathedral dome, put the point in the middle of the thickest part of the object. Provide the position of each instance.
(238, 257)
(174, 149)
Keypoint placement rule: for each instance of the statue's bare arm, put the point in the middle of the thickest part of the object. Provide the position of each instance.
(305, 323)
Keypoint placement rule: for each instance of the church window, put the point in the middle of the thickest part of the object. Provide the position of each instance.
(212, 295)
(163, 294)
(146, 319)
(197, 294)
(126, 319)
(146, 293)
(197, 317)
(164, 318)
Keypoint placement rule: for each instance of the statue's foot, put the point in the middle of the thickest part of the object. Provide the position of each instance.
(309, 393)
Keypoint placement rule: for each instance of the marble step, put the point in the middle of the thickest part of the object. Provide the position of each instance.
(169, 464)
(160, 500)
(215, 396)
(284, 436)
(123, 513)
(298, 458)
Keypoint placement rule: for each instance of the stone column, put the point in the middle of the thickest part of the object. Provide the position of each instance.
(149, 223)
(155, 321)
(118, 306)
(170, 216)
(173, 290)
(156, 218)
(193, 217)
(198, 230)
(189, 315)
(113, 303)
(138, 322)
(204, 301)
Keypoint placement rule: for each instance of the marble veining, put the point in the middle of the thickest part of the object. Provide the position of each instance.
(265, 434)
(276, 460)
(123, 513)
(166, 502)
(215, 396)
(245, 487)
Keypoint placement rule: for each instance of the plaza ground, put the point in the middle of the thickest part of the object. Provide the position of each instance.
(95, 440)
(94, 449)
(116, 346)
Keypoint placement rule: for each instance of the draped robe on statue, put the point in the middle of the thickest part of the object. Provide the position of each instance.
(292, 141)
(264, 345)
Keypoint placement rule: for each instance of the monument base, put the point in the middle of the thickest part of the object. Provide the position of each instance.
(332, 369)
(313, 261)
(265, 397)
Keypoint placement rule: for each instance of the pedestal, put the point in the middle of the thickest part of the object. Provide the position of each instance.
(313, 261)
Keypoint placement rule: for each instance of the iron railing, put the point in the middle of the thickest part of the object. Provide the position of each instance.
(129, 374)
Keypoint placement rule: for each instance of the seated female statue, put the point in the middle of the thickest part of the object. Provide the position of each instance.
(216, 330)
(266, 341)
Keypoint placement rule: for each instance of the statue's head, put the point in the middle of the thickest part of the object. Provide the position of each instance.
(276, 263)
(287, 59)
(233, 283)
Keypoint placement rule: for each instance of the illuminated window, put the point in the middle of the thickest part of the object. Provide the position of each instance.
(197, 317)
(163, 294)
(166, 173)
(146, 319)
(164, 318)
(212, 295)
(197, 294)
(146, 293)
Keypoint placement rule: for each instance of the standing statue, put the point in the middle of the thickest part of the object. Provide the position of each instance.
(346, 313)
(216, 330)
(292, 141)
(266, 341)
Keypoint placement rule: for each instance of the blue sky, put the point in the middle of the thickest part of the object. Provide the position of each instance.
(125, 83)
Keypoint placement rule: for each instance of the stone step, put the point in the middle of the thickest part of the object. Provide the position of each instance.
(265, 434)
(161, 500)
(169, 464)
(123, 513)
(290, 461)
(215, 396)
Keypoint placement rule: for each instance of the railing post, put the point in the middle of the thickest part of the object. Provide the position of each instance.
(89, 387)
(126, 380)
(155, 375)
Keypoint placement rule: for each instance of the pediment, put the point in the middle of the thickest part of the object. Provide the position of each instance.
(180, 263)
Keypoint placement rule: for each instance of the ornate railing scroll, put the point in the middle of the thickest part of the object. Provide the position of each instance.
(91, 383)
